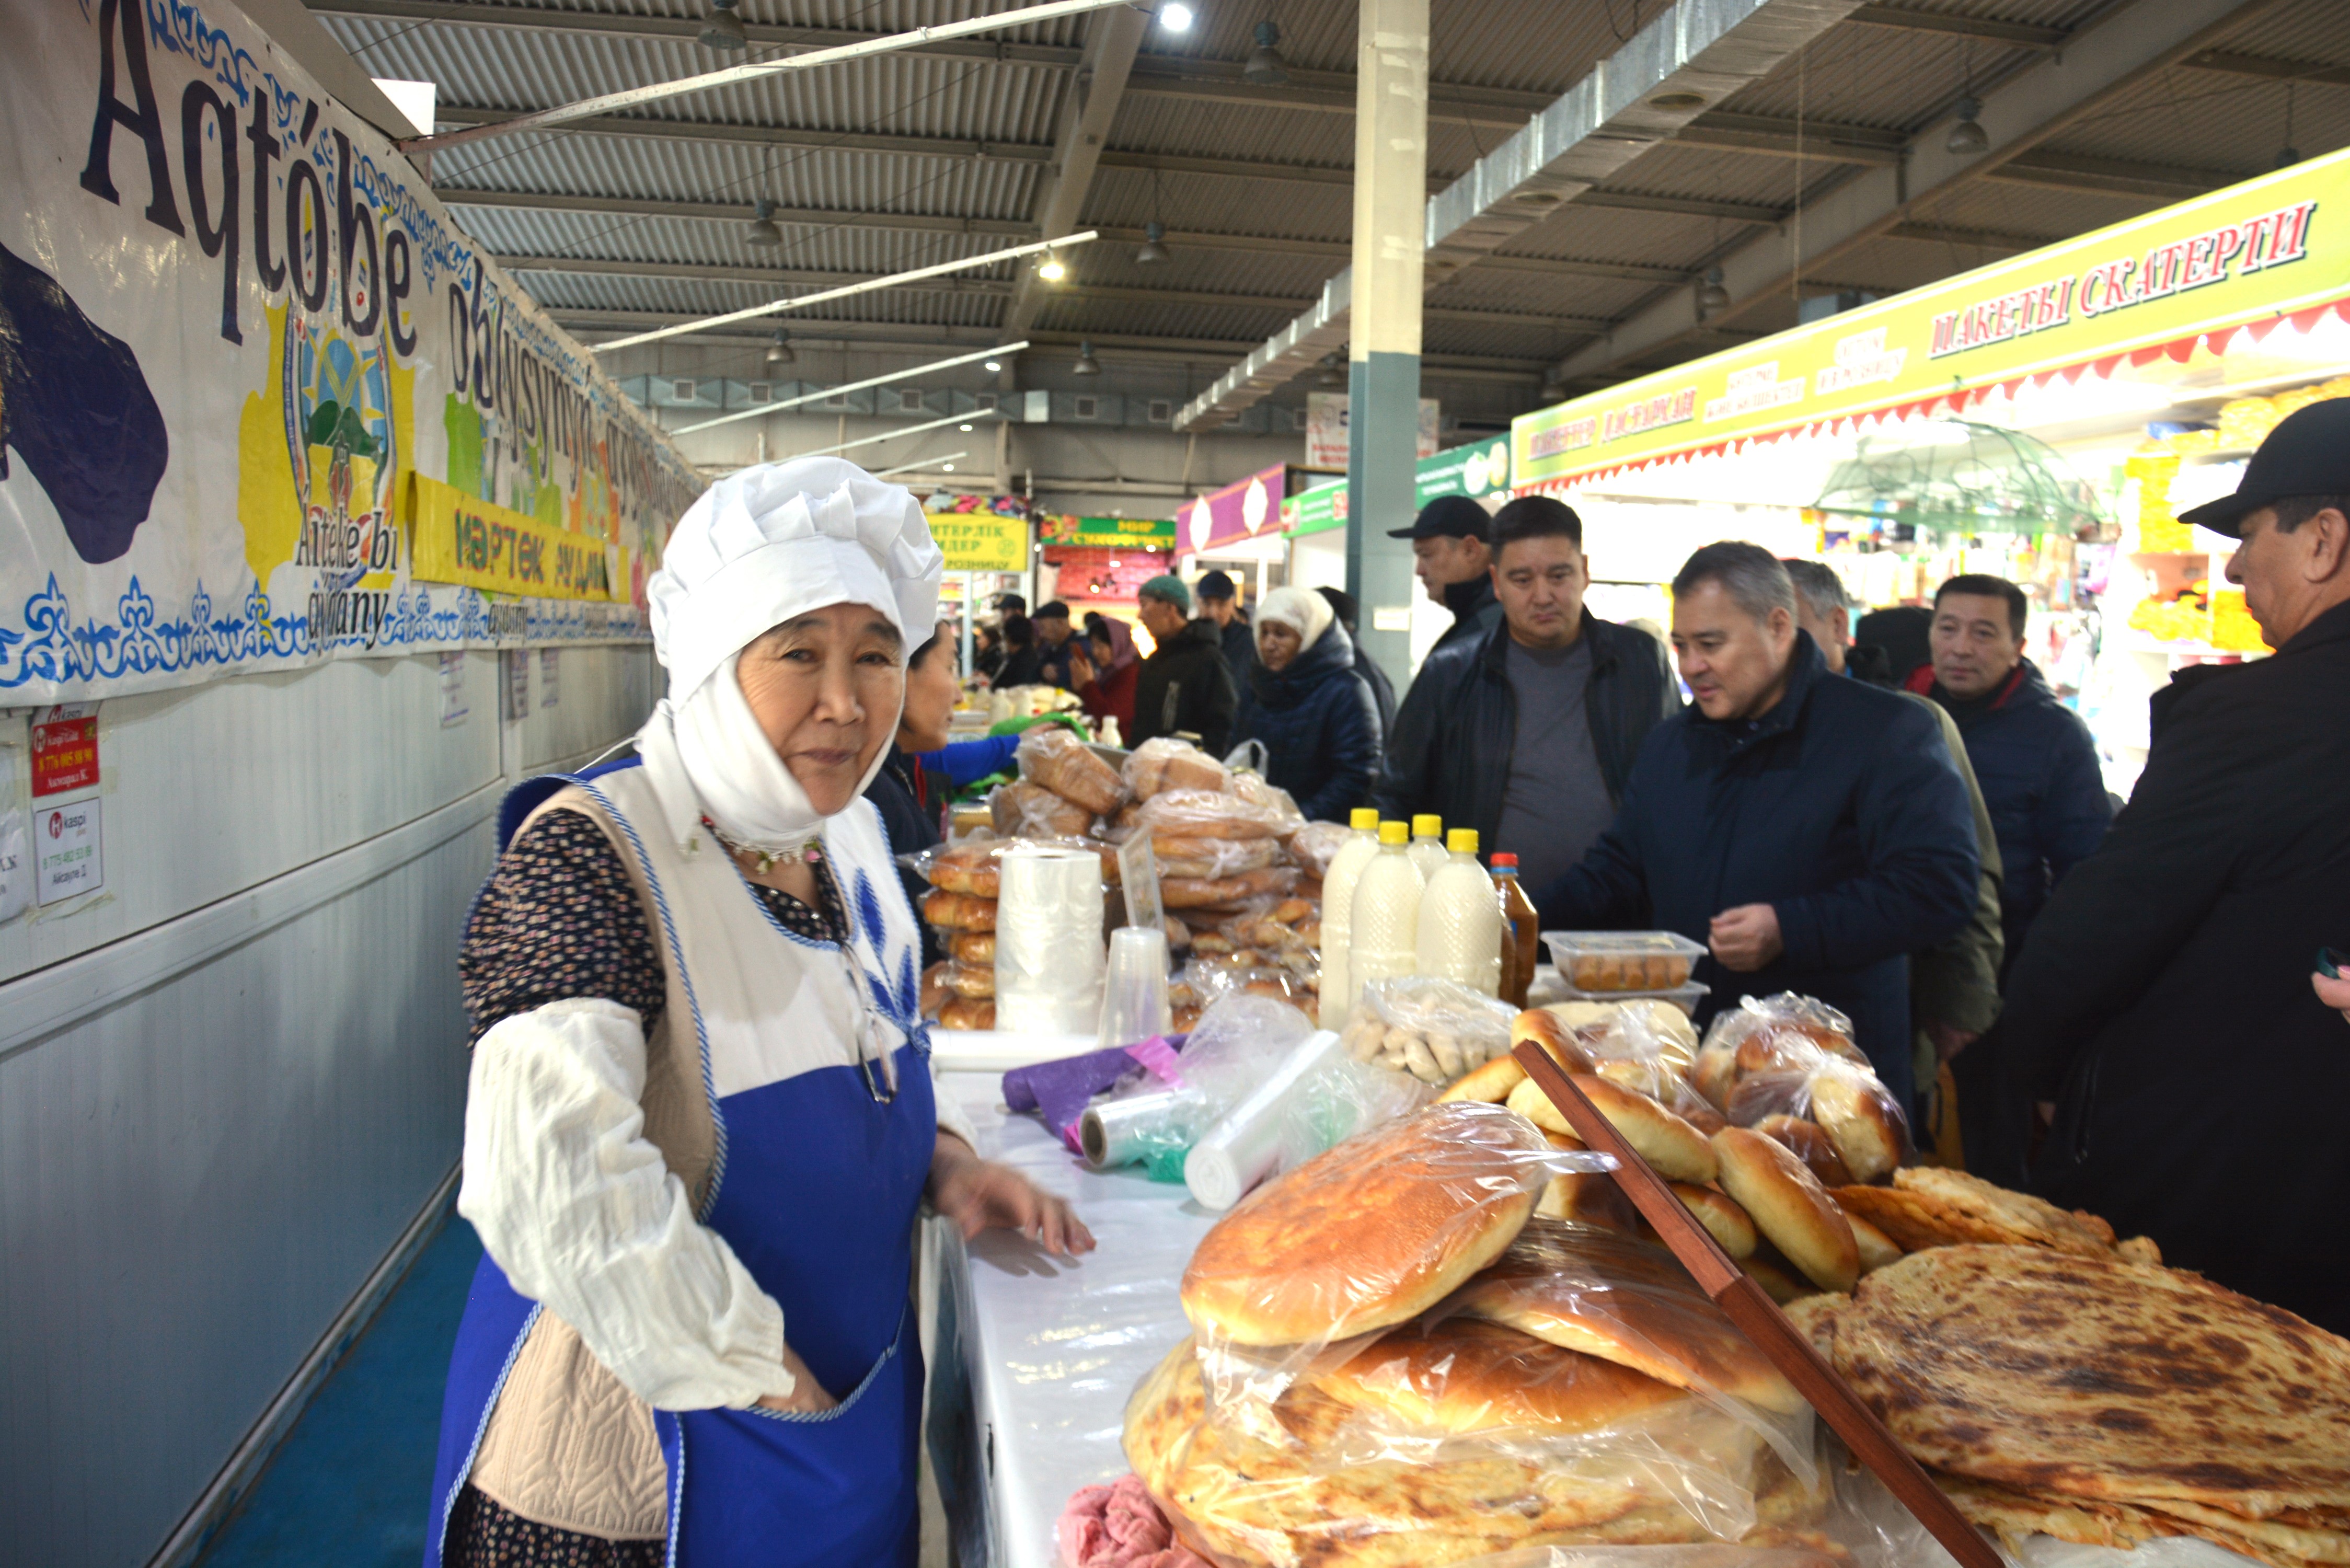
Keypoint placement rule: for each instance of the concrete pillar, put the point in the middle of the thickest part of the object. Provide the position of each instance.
(1383, 351)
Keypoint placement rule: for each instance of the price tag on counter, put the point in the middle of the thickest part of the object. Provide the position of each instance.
(65, 749)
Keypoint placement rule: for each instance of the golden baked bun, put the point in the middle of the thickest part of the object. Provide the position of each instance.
(1777, 1283)
(1789, 1207)
(1808, 1143)
(1024, 808)
(1050, 755)
(1721, 1215)
(976, 948)
(1625, 1300)
(1466, 1376)
(1490, 1084)
(1589, 1197)
(1547, 1030)
(1876, 1248)
(1715, 1075)
(959, 911)
(1371, 1233)
(1678, 1150)
(971, 869)
(977, 984)
(963, 1013)
(1860, 1117)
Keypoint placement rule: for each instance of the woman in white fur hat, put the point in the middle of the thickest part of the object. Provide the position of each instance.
(701, 1117)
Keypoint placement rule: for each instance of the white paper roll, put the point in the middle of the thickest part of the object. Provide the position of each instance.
(1242, 1147)
(1048, 940)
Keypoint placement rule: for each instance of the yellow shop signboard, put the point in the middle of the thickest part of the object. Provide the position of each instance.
(980, 541)
(465, 540)
(2264, 249)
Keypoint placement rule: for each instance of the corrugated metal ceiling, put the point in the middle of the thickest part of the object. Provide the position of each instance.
(1890, 79)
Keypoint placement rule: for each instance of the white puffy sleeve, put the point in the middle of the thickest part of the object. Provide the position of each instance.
(952, 1117)
(583, 1215)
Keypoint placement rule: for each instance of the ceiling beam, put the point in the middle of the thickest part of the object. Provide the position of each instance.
(446, 113)
(732, 211)
(1112, 40)
(2109, 176)
(2016, 35)
(2233, 63)
(1324, 92)
(1978, 239)
(602, 24)
(695, 272)
(2128, 46)
(1691, 57)
(1770, 137)
(1686, 206)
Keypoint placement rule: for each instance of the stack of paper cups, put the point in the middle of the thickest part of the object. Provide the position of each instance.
(1048, 940)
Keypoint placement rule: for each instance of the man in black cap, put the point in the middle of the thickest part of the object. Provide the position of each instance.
(1348, 613)
(1220, 602)
(2162, 998)
(1051, 622)
(1453, 562)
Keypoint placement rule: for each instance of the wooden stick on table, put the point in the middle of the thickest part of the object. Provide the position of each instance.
(1760, 1319)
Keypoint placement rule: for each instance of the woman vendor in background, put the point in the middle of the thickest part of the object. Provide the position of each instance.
(1314, 714)
(1105, 670)
(701, 1116)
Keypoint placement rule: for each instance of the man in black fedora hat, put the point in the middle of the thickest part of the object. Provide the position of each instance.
(2162, 999)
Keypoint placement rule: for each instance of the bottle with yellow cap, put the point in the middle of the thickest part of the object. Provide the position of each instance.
(1426, 851)
(1337, 909)
(1459, 927)
(1384, 918)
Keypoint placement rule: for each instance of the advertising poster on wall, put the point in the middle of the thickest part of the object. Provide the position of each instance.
(261, 403)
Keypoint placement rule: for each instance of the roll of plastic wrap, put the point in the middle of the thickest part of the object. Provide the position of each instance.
(1120, 1132)
(1048, 941)
(1242, 1149)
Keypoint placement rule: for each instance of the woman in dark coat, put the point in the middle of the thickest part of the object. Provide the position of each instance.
(1314, 714)
(1105, 670)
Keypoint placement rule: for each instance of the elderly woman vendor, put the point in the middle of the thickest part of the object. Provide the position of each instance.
(701, 1116)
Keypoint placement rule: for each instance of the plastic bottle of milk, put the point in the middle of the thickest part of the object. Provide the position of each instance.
(1461, 920)
(1426, 851)
(1337, 911)
(1385, 920)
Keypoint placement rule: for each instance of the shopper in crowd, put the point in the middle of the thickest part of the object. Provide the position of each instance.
(2162, 999)
(1023, 663)
(1890, 644)
(1954, 984)
(1009, 604)
(922, 770)
(1342, 604)
(1315, 716)
(1105, 669)
(1454, 563)
(1056, 641)
(1527, 732)
(1218, 598)
(1811, 831)
(987, 650)
(1184, 687)
(2034, 756)
(700, 964)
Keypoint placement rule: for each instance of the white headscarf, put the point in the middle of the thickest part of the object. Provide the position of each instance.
(759, 547)
(1302, 610)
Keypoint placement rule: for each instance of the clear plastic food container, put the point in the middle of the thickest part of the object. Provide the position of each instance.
(1613, 964)
(1685, 997)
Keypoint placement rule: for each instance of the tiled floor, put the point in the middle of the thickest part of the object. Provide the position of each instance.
(351, 1486)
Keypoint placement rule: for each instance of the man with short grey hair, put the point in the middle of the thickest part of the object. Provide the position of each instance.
(1810, 831)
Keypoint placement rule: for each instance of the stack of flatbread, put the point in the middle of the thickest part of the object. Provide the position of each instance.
(2098, 1401)
(1930, 1206)
(1453, 1375)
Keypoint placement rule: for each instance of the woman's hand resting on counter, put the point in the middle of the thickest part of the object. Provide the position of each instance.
(980, 1195)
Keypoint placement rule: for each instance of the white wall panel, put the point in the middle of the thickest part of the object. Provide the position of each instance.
(211, 789)
(228, 1086)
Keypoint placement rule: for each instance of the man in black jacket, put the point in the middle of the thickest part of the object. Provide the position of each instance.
(2162, 997)
(1811, 831)
(1220, 601)
(1342, 604)
(1184, 687)
(1450, 558)
(1527, 732)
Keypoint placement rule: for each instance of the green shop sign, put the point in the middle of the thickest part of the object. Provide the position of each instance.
(1474, 471)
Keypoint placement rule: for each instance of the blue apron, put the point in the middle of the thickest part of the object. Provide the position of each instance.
(816, 1190)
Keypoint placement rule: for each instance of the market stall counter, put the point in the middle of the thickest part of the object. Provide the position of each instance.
(1033, 1357)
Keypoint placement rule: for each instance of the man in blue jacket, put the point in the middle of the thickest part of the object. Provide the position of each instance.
(1812, 832)
(2031, 754)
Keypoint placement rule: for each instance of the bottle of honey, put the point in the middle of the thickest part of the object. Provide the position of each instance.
(1521, 931)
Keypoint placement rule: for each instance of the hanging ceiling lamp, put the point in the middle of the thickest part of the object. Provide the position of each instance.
(1334, 371)
(1175, 16)
(763, 230)
(1265, 66)
(1086, 364)
(723, 29)
(1968, 137)
(1052, 269)
(1152, 250)
(1714, 296)
(780, 352)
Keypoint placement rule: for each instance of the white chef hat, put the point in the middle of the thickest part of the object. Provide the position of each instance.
(777, 540)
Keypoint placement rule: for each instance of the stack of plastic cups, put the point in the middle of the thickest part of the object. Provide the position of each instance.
(1134, 992)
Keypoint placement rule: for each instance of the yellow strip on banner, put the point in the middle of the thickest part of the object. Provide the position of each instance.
(980, 541)
(465, 540)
